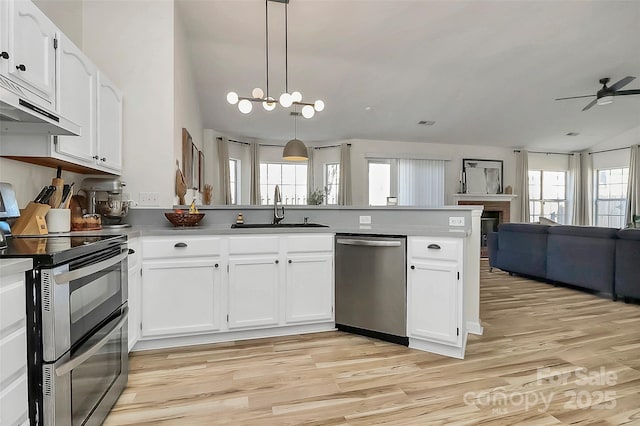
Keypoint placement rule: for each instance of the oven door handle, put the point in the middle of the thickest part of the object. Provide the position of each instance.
(83, 356)
(65, 277)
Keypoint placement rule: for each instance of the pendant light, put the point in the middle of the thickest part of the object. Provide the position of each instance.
(295, 150)
(286, 99)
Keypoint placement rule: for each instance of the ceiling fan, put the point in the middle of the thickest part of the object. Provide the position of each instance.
(605, 95)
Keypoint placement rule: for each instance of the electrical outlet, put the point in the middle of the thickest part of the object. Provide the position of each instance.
(456, 221)
(365, 220)
(149, 199)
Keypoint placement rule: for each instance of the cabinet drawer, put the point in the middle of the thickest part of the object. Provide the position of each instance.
(308, 243)
(434, 248)
(12, 303)
(12, 353)
(14, 402)
(174, 247)
(254, 245)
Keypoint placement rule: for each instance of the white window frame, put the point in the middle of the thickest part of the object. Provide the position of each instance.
(542, 200)
(597, 199)
(236, 186)
(266, 199)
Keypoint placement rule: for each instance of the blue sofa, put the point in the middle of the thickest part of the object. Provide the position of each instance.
(599, 259)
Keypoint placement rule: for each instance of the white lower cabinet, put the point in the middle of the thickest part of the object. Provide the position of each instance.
(134, 294)
(235, 287)
(254, 289)
(434, 295)
(180, 296)
(309, 292)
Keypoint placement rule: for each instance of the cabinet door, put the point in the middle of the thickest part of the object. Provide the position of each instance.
(31, 49)
(433, 302)
(4, 37)
(254, 284)
(76, 96)
(109, 124)
(180, 297)
(134, 305)
(309, 295)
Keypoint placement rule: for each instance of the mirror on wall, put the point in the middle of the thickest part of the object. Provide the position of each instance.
(482, 176)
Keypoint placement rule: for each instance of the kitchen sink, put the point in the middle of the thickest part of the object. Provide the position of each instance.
(279, 225)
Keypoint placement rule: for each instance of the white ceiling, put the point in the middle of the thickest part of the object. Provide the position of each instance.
(486, 72)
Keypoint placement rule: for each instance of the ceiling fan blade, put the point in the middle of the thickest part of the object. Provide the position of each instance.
(575, 97)
(627, 92)
(620, 84)
(590, 104)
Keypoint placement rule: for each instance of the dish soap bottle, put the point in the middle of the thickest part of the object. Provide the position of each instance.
(192, 208)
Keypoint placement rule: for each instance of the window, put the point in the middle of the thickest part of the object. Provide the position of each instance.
(547, 195)
(414, 182)
(611, 197)
(379, 182)
(331, 182)
(234, 179)
(292, 179)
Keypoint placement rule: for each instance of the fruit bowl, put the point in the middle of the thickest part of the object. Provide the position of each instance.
(184, 218)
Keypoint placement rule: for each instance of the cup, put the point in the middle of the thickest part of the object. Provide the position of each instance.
(59, 220)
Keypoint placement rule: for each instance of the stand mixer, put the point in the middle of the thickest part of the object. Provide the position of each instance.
(104, 197)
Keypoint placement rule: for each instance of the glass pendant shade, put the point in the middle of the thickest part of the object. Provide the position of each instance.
(257, 93)
(269, 106)
(308, 111)
(245, 106)
(318, 105)
(295, 150)
(232, 98)
(285, 100)
(296, 96)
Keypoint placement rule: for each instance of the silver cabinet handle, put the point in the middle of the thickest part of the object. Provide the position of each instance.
(65, 277)
(433, 246)
(82, 357)
(369, 243)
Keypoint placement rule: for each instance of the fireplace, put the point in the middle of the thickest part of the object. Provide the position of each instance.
(497, 210)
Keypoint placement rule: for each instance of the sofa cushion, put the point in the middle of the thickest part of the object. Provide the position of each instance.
(529, 228)
(629, 234)
(522, 248)
(627, 275)
(583, 256)
(584, 231)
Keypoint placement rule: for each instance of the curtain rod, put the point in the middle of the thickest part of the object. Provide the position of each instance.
(609, 150)
(328, 146)
(279, 146)
(548, 153)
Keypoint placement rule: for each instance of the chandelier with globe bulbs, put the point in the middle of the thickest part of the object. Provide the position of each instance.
(286, 99)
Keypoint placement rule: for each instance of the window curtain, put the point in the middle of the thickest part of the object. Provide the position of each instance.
(344, 184)
(255, 174)
(310, 172)
(522, 184)
(225, 175)
(633, 186)
(586, 182)
(420, 182)
(574, 188)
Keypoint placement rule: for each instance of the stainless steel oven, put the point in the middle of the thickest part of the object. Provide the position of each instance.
(77, 322)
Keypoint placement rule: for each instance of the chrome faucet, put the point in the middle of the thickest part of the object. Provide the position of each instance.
(277, 198)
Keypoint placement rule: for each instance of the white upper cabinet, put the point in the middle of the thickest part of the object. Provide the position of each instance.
(30, 47)
(109, 144)
(77, 101)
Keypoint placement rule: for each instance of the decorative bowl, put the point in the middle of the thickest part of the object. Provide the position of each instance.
(184, 219)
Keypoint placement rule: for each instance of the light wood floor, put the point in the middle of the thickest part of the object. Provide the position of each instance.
(336, 378)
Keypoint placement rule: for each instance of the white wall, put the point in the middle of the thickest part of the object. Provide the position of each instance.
(67, 15)
(133, 43)
(186, 105)
(550, 162)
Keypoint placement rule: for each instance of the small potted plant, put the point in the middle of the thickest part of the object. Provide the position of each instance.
(316, 197)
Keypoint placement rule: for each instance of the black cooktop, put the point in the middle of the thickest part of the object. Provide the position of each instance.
(53, 250)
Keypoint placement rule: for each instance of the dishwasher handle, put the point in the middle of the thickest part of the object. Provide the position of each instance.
(369, 243)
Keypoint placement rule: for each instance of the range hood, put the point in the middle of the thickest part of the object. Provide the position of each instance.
(19, 114)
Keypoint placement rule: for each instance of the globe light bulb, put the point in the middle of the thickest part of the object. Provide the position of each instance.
(296, 96)
(245, 106)
(308, 111)
(257, 93)
(232, 98)
(269, 106)
(318, 105)
(285, 100)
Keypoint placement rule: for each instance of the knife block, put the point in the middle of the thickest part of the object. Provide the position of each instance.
(31, 220)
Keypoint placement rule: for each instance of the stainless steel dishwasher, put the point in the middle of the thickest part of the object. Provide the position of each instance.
(371, 289)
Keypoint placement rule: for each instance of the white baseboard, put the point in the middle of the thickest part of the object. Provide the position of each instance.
(439, 348)
(474, 327)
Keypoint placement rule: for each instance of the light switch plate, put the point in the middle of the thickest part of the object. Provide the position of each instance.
(456, 221)
(365, 220)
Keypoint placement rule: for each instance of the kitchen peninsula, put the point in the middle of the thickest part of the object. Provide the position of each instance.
(213, 283)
